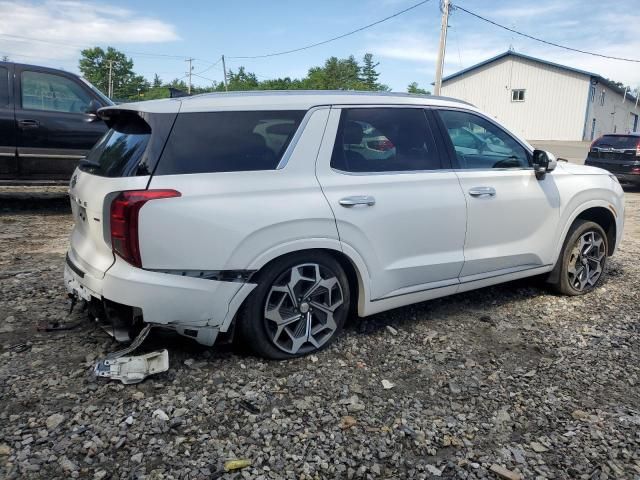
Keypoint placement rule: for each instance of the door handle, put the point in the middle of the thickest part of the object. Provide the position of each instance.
(28, 123)
(354, 200)
(482, 192)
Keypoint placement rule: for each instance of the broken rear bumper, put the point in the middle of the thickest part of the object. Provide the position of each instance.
(194, 307)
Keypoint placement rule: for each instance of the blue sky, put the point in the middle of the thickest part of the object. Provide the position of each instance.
(405, 46)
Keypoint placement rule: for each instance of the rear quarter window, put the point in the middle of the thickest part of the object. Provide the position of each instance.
(235, 141)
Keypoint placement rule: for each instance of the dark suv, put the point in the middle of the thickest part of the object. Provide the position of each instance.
(619, 154)
(48, 122)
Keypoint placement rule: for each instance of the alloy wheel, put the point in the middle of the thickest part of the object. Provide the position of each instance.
(586, 260)
(300, 307)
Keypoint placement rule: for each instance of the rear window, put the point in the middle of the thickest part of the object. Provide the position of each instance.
(4, 86)
(120, 150)
(228, 141)
(617, 141)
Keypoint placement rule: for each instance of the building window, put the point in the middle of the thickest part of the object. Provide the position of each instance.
(517, 95)
(602, 97)
(593, 94)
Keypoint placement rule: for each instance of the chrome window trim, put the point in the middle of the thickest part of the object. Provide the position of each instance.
(393, 172)
(296, 136)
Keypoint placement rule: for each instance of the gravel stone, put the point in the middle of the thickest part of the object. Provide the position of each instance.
(511, 376)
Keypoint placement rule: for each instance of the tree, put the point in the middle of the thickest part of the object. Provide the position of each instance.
(414, 88)
(370, 74)
(156, 81)
(5, 58)
(94, 65)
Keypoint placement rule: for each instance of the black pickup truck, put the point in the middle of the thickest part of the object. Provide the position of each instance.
(48, 122)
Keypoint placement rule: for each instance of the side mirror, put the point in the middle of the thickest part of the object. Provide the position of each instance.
(543, 162)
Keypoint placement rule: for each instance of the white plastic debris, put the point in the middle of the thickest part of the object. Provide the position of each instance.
(134, 368)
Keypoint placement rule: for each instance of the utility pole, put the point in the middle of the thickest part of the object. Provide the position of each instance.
(110, 82)
(443, 46)
(189, 73)
(224, 71)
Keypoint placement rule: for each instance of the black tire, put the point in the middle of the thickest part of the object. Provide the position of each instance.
(260, 334)
(567, 279)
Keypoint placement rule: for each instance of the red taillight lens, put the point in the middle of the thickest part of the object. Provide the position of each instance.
(381, 145)
(125, 209)
(638, 149)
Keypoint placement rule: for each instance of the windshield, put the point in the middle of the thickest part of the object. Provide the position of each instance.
(102, 96)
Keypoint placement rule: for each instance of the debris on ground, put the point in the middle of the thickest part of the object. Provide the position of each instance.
(581, 405)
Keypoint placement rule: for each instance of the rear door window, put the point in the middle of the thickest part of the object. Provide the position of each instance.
(4, 86)
(228, 141)
(384, 140)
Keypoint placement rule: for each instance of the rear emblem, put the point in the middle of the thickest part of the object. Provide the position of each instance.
(74, 180)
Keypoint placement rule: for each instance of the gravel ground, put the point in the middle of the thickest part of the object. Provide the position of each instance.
(505, 382)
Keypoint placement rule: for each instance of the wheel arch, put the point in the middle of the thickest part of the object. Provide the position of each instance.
(350, 261)
(600, 213)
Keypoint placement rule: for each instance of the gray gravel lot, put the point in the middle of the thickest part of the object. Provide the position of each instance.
(510, 380)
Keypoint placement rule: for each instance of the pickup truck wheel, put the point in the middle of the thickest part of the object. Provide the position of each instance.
(299, 306)
(583, 257)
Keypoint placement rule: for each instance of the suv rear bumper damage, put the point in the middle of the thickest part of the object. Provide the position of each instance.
(193, 307)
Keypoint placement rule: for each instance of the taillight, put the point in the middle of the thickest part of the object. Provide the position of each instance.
(381, 145)
(638, 149)
(125, 210)
(593, 143)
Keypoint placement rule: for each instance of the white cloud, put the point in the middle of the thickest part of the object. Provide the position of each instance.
(531, 10)
(410, 46)
(71, 25)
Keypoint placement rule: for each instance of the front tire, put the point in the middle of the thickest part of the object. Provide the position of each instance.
(583, 259)
(299, 306)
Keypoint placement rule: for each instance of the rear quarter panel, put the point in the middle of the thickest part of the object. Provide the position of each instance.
(240, 220)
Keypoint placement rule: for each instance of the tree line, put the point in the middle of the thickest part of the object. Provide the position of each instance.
(336, 74)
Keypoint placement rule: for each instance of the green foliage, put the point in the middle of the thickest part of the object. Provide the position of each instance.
(335, 74)
(414, 88)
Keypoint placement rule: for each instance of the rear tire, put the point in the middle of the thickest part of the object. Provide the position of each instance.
(299, 306)
(583, 259)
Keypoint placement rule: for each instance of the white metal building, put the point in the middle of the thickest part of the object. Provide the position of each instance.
(545, 101)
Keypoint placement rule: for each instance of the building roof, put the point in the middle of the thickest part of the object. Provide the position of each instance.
(600, 78)
(283, 100)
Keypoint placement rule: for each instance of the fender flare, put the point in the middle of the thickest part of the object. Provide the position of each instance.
(361, 270)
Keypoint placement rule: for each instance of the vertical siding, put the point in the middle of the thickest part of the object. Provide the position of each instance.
(613, 116)
(555, 99)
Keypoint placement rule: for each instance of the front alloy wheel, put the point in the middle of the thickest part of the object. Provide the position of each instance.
(586, 261)
(299, 306)
(583, 259)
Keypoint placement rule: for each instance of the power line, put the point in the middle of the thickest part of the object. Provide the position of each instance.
(457, 7)
(333, 38)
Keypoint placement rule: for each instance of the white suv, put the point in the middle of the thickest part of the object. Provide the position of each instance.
(259, 215)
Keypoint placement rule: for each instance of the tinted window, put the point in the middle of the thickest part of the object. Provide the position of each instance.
(617, 141)
(44, 91)
(120, 149)
(384, 140)
(479, 143)
(228, 141)
(4, 86)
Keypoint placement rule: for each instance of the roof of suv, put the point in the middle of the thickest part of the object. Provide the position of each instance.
(285, 99)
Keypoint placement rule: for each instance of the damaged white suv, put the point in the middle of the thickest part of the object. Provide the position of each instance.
(275, 215)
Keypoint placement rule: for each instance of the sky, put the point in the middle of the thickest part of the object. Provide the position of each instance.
(159, 35)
